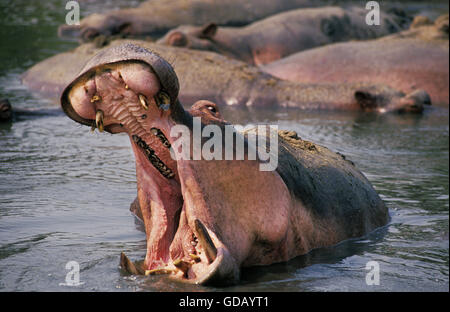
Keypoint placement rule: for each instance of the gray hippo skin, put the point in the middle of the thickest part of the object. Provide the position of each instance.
(408, 61)
(155, 17)
(282, 34)
(205, 219)
(210, 76)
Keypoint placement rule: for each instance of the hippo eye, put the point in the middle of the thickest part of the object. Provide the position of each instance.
(163, 100)
(212, 109)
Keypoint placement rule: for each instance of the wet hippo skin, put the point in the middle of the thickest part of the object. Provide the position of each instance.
(155, 17)
(414, 59)
(282, 34)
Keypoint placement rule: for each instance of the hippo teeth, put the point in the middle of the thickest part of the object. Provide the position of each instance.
(153, 158)
(158, 133)
(205, 241)
(143, 101)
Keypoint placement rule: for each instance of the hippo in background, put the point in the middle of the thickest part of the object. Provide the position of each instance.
(414, 59)
(211, 76)
(155, 17)
(205, 219)
(8, 114)
(277, 36)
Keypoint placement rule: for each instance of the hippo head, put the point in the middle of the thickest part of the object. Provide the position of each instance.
(192, 37)
(392, 101)
(95, 25)
(192, 211)
(5, 110)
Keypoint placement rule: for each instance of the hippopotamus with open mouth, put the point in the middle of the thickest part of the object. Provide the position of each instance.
(205, 219)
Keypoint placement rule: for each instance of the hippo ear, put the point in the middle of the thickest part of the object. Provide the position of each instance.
(365, 99)
(208, 31)
(177, 39)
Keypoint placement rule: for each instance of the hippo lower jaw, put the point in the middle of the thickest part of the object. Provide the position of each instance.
(178, 244)
(128, 97)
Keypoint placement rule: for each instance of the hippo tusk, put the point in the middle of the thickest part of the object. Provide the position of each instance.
(183, 266)
(205, 241)
(160, 271)
(195, 257)
(128, 266)
(99, 120)
(143, 101)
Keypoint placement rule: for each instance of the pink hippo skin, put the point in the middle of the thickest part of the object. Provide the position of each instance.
(205, 219)
(414, 59)
(210, 76)
(282, 34)
(155, 17)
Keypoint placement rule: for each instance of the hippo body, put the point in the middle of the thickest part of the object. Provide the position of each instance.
(414, 59)
(155, 17)
(210, 76)
(203, 228)
(282, 34)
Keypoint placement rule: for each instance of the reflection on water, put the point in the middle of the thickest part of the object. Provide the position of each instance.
(65, 193)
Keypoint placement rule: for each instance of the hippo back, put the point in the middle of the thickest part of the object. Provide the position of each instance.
(329, 186)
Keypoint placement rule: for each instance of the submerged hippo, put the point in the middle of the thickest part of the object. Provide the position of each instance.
(224, 81)
(282, 34)
(5, 110)
(205, 219)
(414, 59)
(155, 17)
(7, 113)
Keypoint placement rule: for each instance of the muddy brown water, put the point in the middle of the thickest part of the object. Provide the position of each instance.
(65, 193)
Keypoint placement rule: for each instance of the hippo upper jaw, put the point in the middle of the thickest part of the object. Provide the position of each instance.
(128, 97)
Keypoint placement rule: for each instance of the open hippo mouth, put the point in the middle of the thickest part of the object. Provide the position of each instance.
(128, 89)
